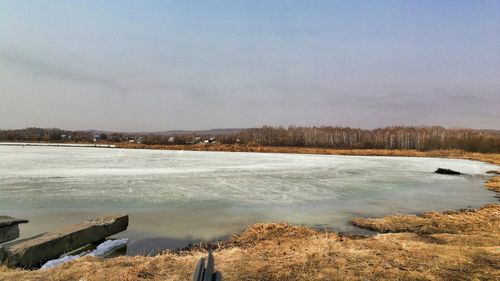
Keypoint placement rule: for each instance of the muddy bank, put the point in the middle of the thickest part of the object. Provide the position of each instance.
(459, 245)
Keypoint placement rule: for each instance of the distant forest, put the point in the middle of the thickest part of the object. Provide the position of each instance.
(419, 138)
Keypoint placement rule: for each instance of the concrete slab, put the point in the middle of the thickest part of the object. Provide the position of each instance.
(9, 229)
(8, 221)
(36, 250)
(8, 233)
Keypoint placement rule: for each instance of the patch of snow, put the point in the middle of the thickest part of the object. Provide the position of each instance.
(108, 246)
(59, 261)
(101, 250)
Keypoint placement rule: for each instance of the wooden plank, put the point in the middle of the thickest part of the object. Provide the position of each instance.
(41, 248)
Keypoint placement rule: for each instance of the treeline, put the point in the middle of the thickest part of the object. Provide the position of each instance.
(59, 135)
(44, 135)
(419, 138)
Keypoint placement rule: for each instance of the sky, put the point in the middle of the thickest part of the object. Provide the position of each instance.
(191, 65)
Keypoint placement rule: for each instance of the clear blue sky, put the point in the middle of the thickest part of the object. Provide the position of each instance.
(158, 65)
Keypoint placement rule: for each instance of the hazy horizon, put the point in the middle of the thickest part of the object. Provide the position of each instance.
(183, 65)
(245, 128)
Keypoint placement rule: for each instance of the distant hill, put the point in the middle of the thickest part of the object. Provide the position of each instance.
(211, 132)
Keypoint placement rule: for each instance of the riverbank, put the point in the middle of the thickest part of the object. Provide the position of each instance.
(493, 158)
(459, 245)
(451, 245)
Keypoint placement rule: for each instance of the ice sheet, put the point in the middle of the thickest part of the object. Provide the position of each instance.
(203, 195)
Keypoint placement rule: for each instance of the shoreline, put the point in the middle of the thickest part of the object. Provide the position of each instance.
(492, 158)
(412, 246)
(48, 144)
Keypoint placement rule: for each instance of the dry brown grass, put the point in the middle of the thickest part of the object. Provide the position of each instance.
(485, 219)
(287, 252)
(493, 184)
(453, 245)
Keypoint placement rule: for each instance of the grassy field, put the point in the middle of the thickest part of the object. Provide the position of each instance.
(453, 245)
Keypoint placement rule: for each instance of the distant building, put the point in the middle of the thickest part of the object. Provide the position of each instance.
(171, 139)
(97, 138)
(195, 141)
(210, 140)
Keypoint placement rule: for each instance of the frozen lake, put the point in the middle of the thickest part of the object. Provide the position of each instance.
(176, 197)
